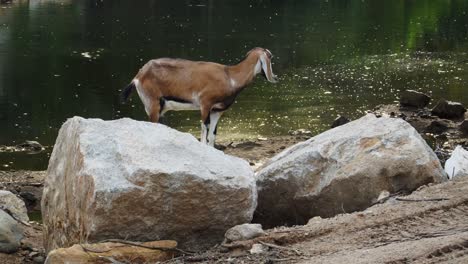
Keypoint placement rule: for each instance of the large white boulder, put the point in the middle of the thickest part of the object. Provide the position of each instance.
(141, 181)
(343, 170)
(457, 164)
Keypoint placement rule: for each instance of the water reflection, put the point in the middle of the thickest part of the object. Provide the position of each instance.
(64, 58)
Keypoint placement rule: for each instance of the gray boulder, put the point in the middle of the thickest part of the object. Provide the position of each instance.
(142, 182)
(448, 109)
(10, 233)
(14, 205)
(413, 98)
(457, 164)
(343, 170)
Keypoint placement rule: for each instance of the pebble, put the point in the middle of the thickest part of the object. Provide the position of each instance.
(257, 249)
(39, 259)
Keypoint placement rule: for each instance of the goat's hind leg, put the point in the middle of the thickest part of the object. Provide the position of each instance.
(205, 117)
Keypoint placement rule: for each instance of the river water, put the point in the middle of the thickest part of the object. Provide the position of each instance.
(60, 59)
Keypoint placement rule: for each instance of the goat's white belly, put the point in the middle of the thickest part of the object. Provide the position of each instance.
(178, 106)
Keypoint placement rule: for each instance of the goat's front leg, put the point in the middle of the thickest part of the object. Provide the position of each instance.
(205, 117)
(214, 118)
(154, 112)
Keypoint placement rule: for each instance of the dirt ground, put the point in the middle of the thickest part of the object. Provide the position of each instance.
(428, 226)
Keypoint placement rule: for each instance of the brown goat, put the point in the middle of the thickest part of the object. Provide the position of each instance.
(176, 84)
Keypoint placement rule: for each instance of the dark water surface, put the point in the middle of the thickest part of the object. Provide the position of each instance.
(59, 59)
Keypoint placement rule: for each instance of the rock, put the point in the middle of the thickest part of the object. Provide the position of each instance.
(30, 146)
(413, 98)
(383, 196)
(301, 132)
(38, 259)
(448, 109)
(244, 232)
(10, 233)
(341, 120)
(257, 249)
(437, 127)
(112, 252)
(464, 127)
(344, 170)
(457, 164)
(14, 205)
(424, 113)
(141, 181)
(32, 197)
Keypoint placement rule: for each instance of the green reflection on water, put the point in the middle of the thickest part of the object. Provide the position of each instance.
(64, 58)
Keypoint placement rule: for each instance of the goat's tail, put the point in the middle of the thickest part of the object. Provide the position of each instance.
(127, 91)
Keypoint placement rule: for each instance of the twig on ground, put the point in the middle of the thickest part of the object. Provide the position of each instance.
(112, 260)
(443, 233)
(383, 200)
(280, 247)
(172, 259)
(421, 200)
(282, 259)
(35, 184)
(196, 259)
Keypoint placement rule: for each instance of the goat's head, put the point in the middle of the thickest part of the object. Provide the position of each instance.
(264, 64)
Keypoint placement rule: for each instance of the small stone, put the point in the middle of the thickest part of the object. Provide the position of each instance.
(32, 254)
(244, 232)
(437, 127)
(457, 164)
(425, 113)
(413, 98)
(30, 146)
(301, 132)
(257, 249)
(448, 109)
(26, 246)
(464, 126)
(39, 259)
(341, 120)
(383, 195)
(28, 196)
